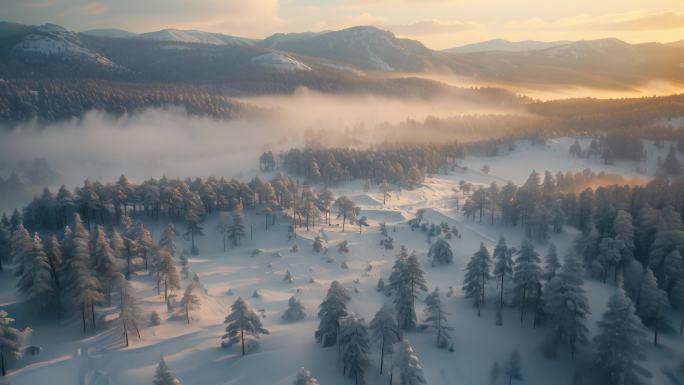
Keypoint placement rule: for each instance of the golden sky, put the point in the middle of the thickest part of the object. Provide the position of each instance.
(437, 23)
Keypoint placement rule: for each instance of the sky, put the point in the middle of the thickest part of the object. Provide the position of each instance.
(438, 24)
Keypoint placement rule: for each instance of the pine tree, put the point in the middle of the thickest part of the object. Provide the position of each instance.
(503, 265)
(384, 332)
(144, 245)
(190, 301)
(397, 271)
(677, 300)
(193, 229)
(294, 311)
(84, 287)
(668, 238)
(513, 370)
(131, 314)
(355, 345)
(346, 209)
(567, 305)
(5, 245)
(410, 369)
(223, 227)
(671, 164)
(237, 230)
(476, 276)
(104, 263)
(440, 253)
(317, 245)
(168, 274)
(411, 281)
(167, 241)
(651, 303)
(551, 263)
(36, 283)
(527, 275)
(330, 312)
(620, 343)
(242, 323)
(54, 255)
(163, 375)
(118, 244)
(21, 246)
(435, 318)
(304, 377)
(11, 341)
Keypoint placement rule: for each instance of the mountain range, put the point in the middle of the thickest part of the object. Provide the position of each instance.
(357, 58)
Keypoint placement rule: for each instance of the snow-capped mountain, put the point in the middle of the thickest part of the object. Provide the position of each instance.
(109, 32)
(503, 45)
(363, 47)
(55, 41)
(280, 62)
(192, 36)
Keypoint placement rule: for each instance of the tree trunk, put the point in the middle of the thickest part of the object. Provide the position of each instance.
(126, 334)
(522, 305)
(502, 290)
(92, 315)
(2, 358)
(382, 354)
(344, 219)
(83, 316)
(166, 288)
(242, 339)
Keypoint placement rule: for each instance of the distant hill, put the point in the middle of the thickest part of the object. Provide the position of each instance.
(502, 45)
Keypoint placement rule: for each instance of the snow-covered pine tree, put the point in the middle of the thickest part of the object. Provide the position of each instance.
(54, 255)
(144, 245)
(190, 301)
(11, 341)
(411, 281)
(476, 276)
(513, 369)
(343, 247)
(36, 283)
(398, 268)
(317, 244)
(168, 275)
(288, 278)
(131, 316)
(355, 345)
(567, 306)
(527, 276)
(669, 238)
(381, 285)
(410, 369)
(84, 287)
(5, 243)
(163, 375)
(304, 377)
(440, 253)
(503, 265)
(384, 332)
(609, 256)
(21, 246)
(551, 263)
(118, 244)
(620, 343)
(167, 241)
(651, 303)
(104, 263)
(294, 311)
(193, 225)
(237, 229)
(331, 310)
(435, 319)
(677, 300)
(242, 323)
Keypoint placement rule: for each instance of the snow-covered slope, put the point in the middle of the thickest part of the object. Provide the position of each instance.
(109, 32)
(54, 41)
(280, 62)
(193, 36)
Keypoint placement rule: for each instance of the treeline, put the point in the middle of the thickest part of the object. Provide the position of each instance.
(58, 100)
(403, 165)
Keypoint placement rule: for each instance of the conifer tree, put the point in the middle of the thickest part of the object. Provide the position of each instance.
(512, 369)
(184, 263)
(242, 323)
(118, 244)
(551, 263)
(410, 369)
(355, 345)
(237, 230)
(166, 268)
(397, 271)
(54, 255)
(440, 253)
(652, 302)
(435, 318)
(167, 241)
(21, 246)
(163, 375)
(567, 305)
(193, 229)
(503, 265)
(330, 312)
(11, 341)
(294, 311)
(190, 301)
(131, 315)
(36, 283)
(477, 274)
(410, 282)
(104, 263)
(527, 276)
(384, 332)
(620, 343)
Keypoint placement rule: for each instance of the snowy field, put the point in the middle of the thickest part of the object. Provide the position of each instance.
(193, 351)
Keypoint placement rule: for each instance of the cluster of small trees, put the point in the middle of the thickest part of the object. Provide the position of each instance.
(355, 339)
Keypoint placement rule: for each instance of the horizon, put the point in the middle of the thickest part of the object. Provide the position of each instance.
(438, 24)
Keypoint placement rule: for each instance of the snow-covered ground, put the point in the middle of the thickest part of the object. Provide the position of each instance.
(193, 351)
